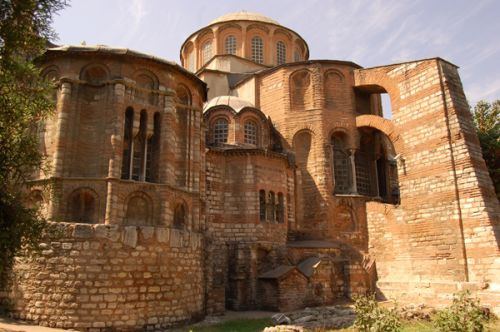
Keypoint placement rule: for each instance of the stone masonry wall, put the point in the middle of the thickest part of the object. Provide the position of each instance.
(444, 235)
(94, 277)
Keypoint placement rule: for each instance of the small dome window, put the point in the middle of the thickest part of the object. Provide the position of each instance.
(280, 53)
(230, 45)
(257, 49)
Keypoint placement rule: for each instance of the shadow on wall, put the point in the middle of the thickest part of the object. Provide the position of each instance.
(309, 199)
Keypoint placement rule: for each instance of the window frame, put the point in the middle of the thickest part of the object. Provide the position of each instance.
(230, 44)
(257, 55)
(214, 130)
(280, 52)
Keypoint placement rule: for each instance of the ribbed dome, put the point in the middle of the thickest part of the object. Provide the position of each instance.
(235, 103)
(244, 16)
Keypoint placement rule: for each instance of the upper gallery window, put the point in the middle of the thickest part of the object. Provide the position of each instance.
(230, 44)
(206, 51)
(220, 131)
(257, 49)
(280, 53)
(250, 133)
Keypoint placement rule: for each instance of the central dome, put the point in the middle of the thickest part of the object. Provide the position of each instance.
(244, 16)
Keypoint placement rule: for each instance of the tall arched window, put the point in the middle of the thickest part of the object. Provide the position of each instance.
(257, 49)
(153, 146)
(220, 131)
(206, 51)
(230, 45)
(341, 165)
(262, 205)
(139, 150)
(250, 133)
(180, 216)
(271, 206)
(280, 53)
(280, 209)
(127, 144)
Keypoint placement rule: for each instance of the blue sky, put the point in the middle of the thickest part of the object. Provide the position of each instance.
(370, 33)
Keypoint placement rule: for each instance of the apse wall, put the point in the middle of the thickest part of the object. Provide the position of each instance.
(109, 276)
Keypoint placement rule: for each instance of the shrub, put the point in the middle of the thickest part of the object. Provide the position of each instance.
(463, 315)
(374, 318)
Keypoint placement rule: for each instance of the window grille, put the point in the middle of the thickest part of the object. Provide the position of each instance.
(230, 45)
(220, 131)
(250, 133)
(280, 53)
(206, 51)
(257, 49)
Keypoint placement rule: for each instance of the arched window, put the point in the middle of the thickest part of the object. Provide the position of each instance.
(280, 209)
(271, 206)
(296, 55)
(127, 143)
(341, 165)
(230, 44)
(250, 133)
(206, 51)
(257, 49)
(82, 206)
(138, 211)
(220, 131)
(138, 150)
(153, 146)
(262, 205)
(280, 53)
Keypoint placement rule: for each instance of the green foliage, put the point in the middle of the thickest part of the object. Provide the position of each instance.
(464, 315)
(374, 318)
(487, 122)
(25, 100)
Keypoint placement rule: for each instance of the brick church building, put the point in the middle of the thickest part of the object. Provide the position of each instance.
(251, 177)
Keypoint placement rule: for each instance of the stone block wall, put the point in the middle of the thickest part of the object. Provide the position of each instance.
(97, 277)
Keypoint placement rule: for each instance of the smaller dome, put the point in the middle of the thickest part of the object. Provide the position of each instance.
(235, 103)
(244, 16)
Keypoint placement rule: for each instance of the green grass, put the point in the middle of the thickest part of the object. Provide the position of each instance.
(257, 325)
(238, 325)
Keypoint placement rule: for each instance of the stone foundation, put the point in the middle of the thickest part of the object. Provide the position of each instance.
(101, 276)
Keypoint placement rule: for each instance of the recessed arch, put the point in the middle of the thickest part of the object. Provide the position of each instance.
(385, 126)
(301, 92)
(139, 209)
(83, 206)
(95, 73)
(180, 215)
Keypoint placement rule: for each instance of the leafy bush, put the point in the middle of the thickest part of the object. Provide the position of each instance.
(374, 318)
(463, 315)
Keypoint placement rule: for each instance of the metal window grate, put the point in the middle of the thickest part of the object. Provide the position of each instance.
(280, 53)
(230, 45)
(257, 49)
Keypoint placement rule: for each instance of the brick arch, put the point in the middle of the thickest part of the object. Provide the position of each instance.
(385, 126)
